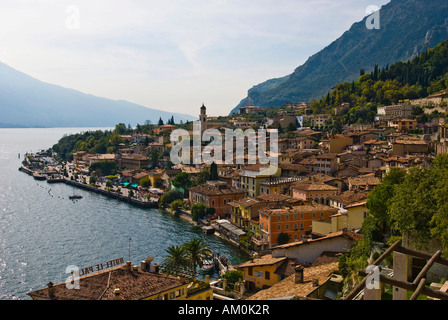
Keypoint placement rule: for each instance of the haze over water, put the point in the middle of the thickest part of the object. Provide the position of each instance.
(42, 232)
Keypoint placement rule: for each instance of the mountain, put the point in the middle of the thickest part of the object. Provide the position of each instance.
(28, 102)
(407, 28)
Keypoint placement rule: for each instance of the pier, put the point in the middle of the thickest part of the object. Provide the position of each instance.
(114, 195)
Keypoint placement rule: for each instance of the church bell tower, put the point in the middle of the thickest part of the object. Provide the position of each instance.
(203, 118)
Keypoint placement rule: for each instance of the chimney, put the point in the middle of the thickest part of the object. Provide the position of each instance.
(148, 261)
(156, 268)
(143, 265)
(315, 282)
(183, 277)
(128, 265)
(298, 274)
(50, 289)
(117, 293)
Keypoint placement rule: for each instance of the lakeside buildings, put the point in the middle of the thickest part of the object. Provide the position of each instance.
(296, 221)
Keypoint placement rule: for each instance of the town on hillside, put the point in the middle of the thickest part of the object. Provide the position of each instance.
(296, 224)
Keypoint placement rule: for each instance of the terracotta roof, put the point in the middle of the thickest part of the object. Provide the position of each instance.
(293, 166)
(288, 287)
(133, 285)
(416, 142)
(349, 197)
(273, 197)
(364, 180)
(350, 235)
(266, 260)
(297, 209)
(247, 202)
(314, 186)
(210, 189)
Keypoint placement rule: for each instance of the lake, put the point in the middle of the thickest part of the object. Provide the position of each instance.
(42, 232)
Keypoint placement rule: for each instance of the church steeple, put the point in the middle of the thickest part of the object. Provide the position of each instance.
(203, 118)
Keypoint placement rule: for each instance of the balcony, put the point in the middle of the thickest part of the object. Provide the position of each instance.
(260, 241)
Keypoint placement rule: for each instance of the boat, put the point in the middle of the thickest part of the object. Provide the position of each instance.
(38, 176)
(74, 196)
(208, 265)
(55, 179)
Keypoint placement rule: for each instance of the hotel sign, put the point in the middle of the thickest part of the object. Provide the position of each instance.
(73, 280)
(101, 266)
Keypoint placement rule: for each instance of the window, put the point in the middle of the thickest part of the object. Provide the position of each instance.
(301, 226)
(301, 216)
(279, 227)
(287, 227)
(267, 275)
(314, 215)
(278, 218)
(225, 201)
(250, 271)
(213, 203)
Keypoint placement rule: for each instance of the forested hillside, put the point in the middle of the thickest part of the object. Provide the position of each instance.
(422, 76)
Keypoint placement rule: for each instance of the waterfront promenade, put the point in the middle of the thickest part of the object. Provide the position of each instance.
(123, 194)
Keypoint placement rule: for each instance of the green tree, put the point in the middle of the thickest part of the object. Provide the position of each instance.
(202, 177)
(145, 182)
(168, 197)
(214, 172)
(182, 180)
(176, 259)
(291, 127)
(283, 238)
(104, 168)
(176, 205)
(197, 252)
(198, 211)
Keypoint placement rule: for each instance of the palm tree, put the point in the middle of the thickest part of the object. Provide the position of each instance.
(176, 258)
(197, 252)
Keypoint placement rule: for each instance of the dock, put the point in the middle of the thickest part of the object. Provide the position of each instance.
(52, 179)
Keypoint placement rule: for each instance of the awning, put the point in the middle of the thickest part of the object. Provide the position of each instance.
(225, 224)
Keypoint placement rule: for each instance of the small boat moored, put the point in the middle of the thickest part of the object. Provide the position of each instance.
(208, 265)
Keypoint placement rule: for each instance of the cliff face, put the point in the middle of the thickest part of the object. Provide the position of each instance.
(407, 27)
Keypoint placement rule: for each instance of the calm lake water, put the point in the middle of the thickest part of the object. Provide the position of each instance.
(42, 232)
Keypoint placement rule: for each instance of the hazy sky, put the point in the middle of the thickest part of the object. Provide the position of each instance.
(169, 54)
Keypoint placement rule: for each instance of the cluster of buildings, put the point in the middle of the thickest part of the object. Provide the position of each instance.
(297, 221)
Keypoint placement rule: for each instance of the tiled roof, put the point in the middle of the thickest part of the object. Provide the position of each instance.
(348, 234)
(364, 180)
(288, 287)
(314, 187)
(247, 202)
(133, 285)
(315, 207)
(266, 260)
(349, 197)
(273, 197)
(209, 189)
